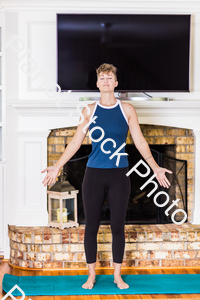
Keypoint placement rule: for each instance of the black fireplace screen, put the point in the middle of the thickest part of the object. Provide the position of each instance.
(141, 208)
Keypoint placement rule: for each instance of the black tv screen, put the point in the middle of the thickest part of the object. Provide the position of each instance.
(151, 52)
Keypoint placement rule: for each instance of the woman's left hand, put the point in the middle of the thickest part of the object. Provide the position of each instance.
(161, 177)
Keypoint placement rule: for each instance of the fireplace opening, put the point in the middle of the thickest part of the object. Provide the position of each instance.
(141, 208)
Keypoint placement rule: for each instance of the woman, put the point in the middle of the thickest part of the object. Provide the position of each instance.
(109, 120)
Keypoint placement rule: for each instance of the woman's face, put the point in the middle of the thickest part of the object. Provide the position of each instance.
(106, 82)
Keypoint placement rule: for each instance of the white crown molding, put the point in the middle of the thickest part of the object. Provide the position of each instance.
(91, 6)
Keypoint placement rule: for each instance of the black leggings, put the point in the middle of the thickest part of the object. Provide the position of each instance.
(95, 182)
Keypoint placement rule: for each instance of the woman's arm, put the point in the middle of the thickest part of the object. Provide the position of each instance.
(71, 149)
(142, 145)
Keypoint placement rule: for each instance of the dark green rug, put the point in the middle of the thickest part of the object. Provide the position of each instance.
(72, 285)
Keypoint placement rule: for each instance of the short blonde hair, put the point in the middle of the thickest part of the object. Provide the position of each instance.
(107, 68)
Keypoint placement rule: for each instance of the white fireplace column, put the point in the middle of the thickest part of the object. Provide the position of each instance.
(28, 127)
(32, 204)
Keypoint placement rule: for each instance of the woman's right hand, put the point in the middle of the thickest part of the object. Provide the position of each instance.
(52, 173)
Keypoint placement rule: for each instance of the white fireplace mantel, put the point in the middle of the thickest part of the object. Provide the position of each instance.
(181, 114)
(28, 126)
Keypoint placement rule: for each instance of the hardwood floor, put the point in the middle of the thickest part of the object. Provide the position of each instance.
(5, 268)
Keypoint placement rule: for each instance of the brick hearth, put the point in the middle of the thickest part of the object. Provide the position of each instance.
(159, 245)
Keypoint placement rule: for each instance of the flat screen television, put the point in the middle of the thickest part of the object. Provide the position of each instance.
(151, 52)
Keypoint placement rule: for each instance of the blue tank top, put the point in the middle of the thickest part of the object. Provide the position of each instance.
(109, 135)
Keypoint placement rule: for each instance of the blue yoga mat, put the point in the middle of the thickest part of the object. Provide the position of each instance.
(72, 285)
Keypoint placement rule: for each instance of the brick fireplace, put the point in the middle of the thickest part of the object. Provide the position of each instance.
(39, 131)
(182, 139)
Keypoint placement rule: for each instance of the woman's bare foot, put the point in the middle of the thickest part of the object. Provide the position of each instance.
(120, 283)
(91, 276)
(89, 283)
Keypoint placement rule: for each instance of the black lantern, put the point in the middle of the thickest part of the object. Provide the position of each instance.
(62, 200)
